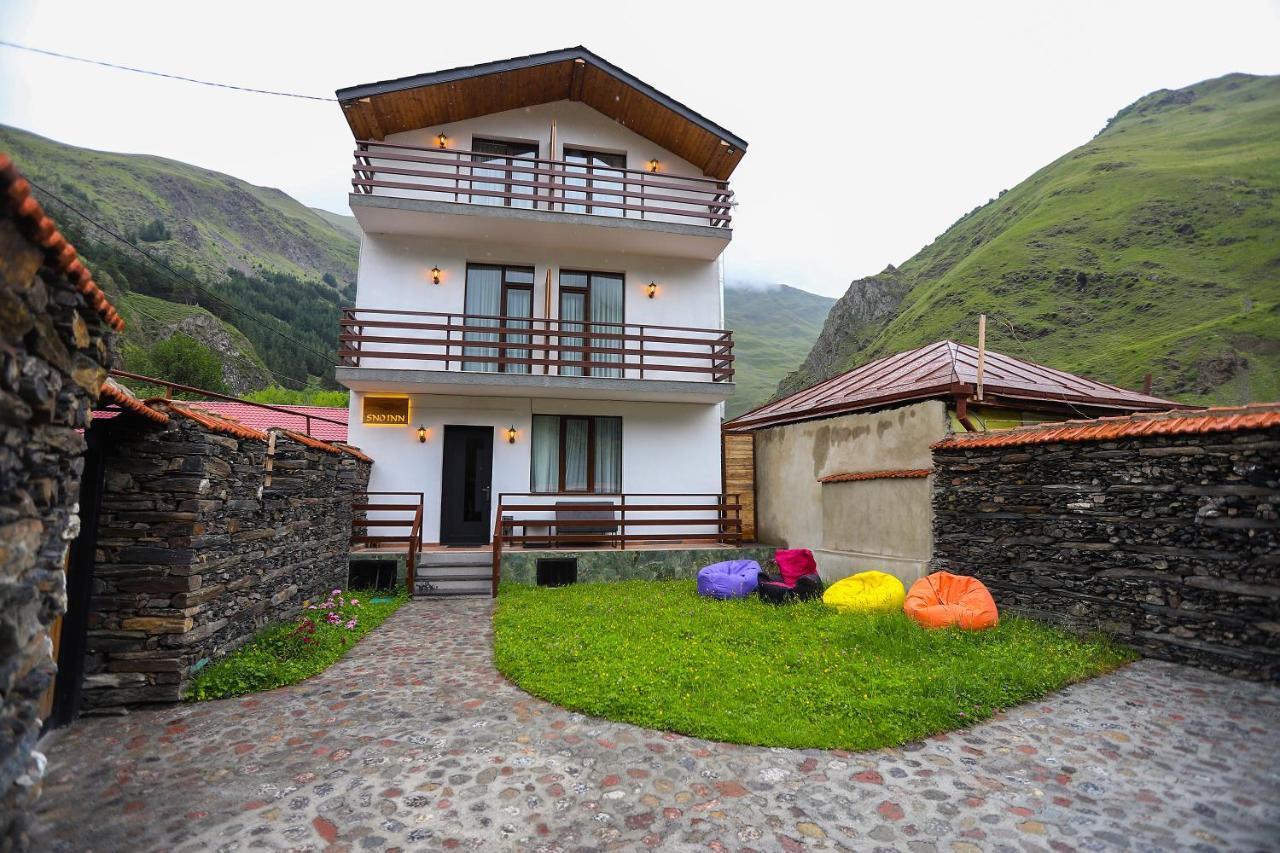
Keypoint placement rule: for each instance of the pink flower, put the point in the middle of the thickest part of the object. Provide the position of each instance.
(355, 602)
(332, 618)
(351, 625)
(311, 607)
(336, 592)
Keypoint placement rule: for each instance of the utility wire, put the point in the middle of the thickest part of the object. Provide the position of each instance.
(53, 53)
(158, 262)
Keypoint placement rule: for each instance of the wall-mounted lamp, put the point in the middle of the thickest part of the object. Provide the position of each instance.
(442, 141)
(652, 289)
(653, 165)
(422, 435)
(435, 275)
(511, 434)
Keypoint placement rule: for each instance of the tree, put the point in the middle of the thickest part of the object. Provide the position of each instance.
(186, 361)
(154, 232)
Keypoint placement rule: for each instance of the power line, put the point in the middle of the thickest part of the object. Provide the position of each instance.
(158, 262)
(100, 62)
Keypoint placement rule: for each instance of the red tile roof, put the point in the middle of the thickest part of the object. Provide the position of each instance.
(942, 370)
(263, 419)
(1224, 419)
(113, 392)
(37, 227)
(876, 475)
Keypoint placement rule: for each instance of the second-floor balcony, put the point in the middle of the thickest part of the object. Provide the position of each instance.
(405, 189)
(436, 352)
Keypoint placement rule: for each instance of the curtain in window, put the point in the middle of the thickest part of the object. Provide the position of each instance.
(545, 475)
(573, 305)
(606, 309)
(495, 155)
(608, 463)
(576, 438)
(519, 304)
(591, 171)
(484, 296)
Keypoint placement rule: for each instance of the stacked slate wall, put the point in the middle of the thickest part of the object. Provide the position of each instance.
(200, 543)
(1167, 542)
(53, 354)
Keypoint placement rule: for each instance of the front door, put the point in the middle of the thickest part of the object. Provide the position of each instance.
(465, 486)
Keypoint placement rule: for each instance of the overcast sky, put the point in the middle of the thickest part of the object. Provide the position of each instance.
(871, 129)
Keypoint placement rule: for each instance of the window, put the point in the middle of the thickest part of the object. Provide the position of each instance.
(591, 303)
(598, 173)
(495, 179)
(573, 453)
(493, 292)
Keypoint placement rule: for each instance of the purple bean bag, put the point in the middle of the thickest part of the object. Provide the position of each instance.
(730, 579)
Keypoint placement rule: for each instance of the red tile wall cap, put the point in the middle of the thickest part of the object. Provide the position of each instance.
(302, 438)
(211, 422)
(876, 475)
(40, 229)
(115, 393)
(1177, 422)
(354, 451)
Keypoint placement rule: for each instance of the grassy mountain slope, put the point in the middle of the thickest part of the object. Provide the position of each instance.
(773, 328)
(216, 221)
(250, 250)
(1155, 247)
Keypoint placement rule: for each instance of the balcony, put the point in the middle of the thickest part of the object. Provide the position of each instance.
(445, 192)
(471, 354)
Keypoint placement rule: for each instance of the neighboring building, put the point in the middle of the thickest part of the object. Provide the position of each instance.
(844, 467)
(315, 421)
(539, 305)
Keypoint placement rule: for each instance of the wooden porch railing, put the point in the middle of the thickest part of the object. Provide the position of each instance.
(538, 183)
(525, 345)
(403, 510)
(574, 521)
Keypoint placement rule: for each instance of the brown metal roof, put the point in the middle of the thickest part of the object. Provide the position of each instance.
(948, 369)
(375, 110)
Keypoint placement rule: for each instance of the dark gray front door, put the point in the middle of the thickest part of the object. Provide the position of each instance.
(466, 485)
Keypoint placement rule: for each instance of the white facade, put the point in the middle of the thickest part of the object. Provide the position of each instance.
(670, 420)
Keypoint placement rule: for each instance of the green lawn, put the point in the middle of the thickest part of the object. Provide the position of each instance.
(291, 652)
(655, 654)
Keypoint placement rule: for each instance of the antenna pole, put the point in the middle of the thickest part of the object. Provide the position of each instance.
(982, 351)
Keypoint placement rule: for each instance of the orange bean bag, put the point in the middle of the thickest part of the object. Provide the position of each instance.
(942, 599)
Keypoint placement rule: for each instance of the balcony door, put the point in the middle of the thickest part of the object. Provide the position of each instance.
(591, 303)
(596, 178)
(495, 292)
(497, 174)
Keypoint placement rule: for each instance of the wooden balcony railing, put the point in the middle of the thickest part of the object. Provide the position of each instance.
(537, 183)
(529, 345)
(400, 511)
(573, 520)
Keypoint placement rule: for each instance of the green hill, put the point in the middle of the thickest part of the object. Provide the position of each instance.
(773, 327)
(1153, 248)
(250, 251)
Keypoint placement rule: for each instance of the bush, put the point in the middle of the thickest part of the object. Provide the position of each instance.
(184, 360)
(154, 231)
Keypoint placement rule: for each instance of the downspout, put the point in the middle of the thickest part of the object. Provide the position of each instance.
(962, 414)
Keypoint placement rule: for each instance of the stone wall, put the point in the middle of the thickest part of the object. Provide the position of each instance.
(613, 564)
(53, 351)
(200, 543)
(1167, 542)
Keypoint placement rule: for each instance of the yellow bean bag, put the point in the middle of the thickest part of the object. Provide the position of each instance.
(866, 592)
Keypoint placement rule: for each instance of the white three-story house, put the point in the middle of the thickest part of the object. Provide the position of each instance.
(539, 321)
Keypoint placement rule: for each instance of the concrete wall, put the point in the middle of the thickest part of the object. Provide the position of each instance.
(666, 447)
(856, 526)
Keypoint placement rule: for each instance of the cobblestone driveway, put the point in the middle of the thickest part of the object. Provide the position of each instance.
(414, 741)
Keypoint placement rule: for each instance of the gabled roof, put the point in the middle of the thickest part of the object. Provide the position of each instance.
(1223, 419)
(948, 369)
(374, 110)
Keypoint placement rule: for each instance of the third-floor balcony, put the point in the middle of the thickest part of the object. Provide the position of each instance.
(447, 192)
(435, 352)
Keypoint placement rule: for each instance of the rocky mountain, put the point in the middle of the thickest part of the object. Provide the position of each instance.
(1152, 248)
(773, 327)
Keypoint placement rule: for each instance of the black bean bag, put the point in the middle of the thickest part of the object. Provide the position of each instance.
(775, 591)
